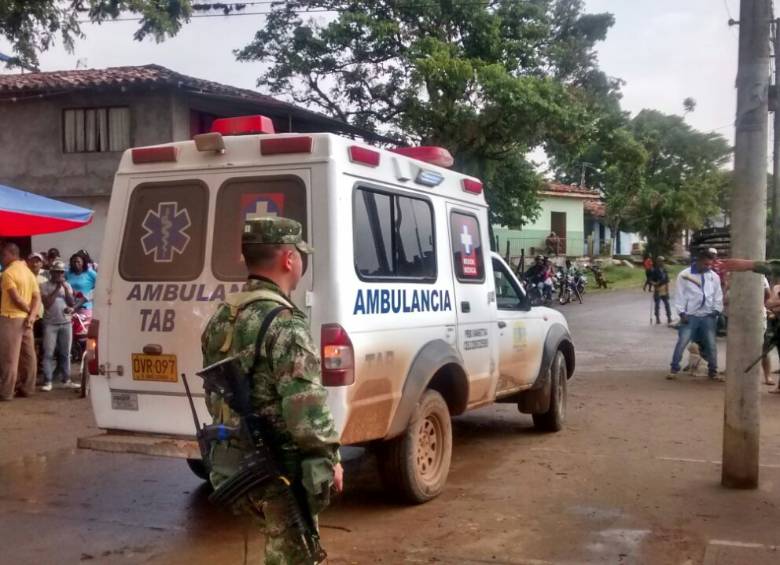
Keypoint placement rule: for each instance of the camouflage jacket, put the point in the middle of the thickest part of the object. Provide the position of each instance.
(287, 386)
(770, 267)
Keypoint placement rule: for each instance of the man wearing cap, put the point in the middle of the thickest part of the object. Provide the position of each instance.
(19, 307)
(286, 382)
(58, 302)
(699, 301)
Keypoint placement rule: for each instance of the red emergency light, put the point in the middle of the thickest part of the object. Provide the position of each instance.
(428, 154)
(364, 155)
(243, 125)
(160, 154)
(472, 186)
(281, 145)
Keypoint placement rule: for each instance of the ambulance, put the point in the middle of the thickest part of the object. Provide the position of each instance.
(415, 319)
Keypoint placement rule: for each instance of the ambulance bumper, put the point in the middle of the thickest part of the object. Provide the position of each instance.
(158, 445)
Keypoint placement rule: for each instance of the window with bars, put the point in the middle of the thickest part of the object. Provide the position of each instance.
(95, 130)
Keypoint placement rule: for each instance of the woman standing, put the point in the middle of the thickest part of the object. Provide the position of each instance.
(82, 280)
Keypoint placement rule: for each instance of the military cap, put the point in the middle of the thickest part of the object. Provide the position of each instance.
(274, 230)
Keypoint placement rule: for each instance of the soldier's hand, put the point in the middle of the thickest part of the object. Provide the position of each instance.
(734, 265)
(338, 478)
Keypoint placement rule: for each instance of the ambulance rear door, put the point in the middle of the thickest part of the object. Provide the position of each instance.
(178, 259)
(474, 299)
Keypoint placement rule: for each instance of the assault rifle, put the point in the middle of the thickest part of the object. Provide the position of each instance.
(771, 340)
(259, 468)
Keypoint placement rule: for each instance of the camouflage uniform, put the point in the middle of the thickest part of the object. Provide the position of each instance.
(770, 267)
(287, 391)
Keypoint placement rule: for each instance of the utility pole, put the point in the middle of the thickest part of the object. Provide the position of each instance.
(774, 247)
(748, 239)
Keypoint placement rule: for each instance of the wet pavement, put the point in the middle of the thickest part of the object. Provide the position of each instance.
(633, 478)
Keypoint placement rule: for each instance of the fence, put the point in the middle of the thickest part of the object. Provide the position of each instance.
(530, 246)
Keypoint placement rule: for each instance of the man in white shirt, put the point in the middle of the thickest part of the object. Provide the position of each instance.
(699, 301)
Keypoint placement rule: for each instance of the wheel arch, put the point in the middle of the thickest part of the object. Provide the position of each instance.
(537, 398)
(436, 366)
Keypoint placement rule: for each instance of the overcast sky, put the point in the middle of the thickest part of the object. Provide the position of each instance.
(665, 50)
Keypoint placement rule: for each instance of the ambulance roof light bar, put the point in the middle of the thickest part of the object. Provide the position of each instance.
(243, 125)
(428, 154)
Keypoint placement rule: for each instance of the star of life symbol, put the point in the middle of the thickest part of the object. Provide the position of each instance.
(166, 231)
(465, 240)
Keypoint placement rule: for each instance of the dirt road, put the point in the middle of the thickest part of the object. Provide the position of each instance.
(633, 478)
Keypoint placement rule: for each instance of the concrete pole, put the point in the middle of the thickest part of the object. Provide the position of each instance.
(748, 240)
(774, 247)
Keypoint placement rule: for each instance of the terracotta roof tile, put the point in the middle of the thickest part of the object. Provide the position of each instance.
(595, 208)
(569, 189)
(12, 85)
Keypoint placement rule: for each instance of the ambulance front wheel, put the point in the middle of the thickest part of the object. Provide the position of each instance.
(199, 468)
(415, 465)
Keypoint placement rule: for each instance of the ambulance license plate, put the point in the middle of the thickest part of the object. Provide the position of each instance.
(155, 368)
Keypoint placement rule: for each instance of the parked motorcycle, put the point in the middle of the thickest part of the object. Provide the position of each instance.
(572, 287)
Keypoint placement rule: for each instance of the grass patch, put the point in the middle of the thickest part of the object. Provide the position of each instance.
(621, 277)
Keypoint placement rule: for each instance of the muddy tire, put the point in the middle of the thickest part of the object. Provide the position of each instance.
(415, 465)
(199, 468)
(554, 418)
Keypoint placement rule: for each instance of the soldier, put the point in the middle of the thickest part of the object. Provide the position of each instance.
(286, 388)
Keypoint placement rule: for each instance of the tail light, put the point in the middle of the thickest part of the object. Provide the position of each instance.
(93, 359)
(338, 356)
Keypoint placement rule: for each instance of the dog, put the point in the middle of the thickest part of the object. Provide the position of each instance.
(694, 359)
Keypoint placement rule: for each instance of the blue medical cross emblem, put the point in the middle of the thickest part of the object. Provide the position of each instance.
(166, 231)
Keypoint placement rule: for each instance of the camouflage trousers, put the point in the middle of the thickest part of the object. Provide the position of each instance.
(269, 506)
(283, 544)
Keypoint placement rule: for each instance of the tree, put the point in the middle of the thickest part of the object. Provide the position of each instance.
(683, 183)
(32, 26)
(689, 105)
(490, 81)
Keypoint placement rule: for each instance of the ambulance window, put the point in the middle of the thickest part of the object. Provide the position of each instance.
(394, 237)
(242, 198)
(164, 238)
(466, 248)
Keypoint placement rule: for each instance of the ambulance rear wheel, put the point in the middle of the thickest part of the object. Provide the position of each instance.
(553, 419)
(199, 468)
(415, 465)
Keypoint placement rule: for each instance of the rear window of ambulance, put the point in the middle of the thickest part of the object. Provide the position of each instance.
(165, 234)
(244, 198)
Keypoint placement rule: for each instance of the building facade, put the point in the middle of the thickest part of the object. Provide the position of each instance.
(562, 213)
(64, 132)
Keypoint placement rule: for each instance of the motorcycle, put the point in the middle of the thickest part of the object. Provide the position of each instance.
(572, 287)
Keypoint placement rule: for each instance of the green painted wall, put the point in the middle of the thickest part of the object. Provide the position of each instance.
(531, 237)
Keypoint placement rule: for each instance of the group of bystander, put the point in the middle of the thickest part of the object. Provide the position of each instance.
(38, 300)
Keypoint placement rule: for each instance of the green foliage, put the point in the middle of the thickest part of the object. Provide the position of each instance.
(32, 26)
(683, 180)
(657, 175)
(490, 81)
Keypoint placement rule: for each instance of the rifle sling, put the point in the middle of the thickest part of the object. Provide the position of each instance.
(267, 321)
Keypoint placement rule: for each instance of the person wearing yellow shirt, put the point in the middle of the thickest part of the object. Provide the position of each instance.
(20, 301)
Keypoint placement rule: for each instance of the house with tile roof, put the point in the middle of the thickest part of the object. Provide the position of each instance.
(562, 212)
(64, 132)
(599, 239)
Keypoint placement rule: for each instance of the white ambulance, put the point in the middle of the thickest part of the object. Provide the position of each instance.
(416, 319)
